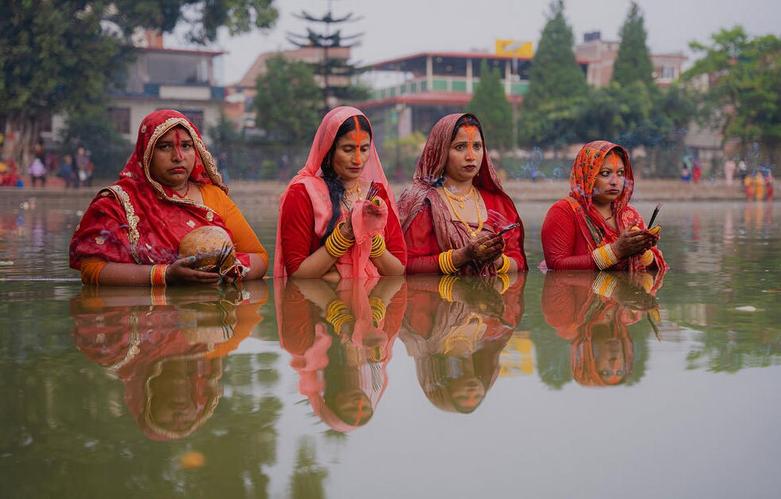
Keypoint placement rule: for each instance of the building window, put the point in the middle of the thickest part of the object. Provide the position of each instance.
(120, 119)
(668, 73)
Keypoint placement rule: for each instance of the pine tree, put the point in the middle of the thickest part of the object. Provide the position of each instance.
(489, 103)
(633, 62)
(557, 86)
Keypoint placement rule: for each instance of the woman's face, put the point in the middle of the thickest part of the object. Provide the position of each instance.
(465, 154)
(608, 353)
(609, 183)
(351, 153)
(173, 158)
(467, 393)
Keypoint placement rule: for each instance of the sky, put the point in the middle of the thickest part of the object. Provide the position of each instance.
(401, 27)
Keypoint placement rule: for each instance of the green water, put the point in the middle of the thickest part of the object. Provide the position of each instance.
(550, 386)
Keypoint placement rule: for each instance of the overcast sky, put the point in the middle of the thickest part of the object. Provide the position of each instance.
(399, 27)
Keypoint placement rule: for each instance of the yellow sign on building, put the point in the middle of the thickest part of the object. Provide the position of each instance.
(514, 48)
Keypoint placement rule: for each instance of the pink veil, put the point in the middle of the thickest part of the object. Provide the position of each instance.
(356, 262)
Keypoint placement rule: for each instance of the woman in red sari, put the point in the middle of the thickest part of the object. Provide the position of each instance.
(595, 227)
(453, 213)
(331, 228)
(169, 188)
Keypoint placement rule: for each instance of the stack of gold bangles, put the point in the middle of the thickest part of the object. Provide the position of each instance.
(446, 264)
(604, 257)
(445, 287)
(157, 274)
(337, 244)
(337, 315)
(378, 246)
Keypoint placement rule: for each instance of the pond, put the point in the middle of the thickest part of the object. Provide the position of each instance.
(557, 385)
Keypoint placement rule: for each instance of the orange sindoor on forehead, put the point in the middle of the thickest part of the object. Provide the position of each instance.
(614, 161)
(358, 135)
(179, 136)
(472, 134)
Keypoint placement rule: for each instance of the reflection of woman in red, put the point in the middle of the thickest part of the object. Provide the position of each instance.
(593, 313)
(455, 328)
(341, 341)
(167, 349)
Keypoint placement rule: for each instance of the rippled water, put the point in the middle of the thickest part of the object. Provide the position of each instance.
(558, 385)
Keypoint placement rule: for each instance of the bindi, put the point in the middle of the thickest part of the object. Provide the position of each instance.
(358, 136)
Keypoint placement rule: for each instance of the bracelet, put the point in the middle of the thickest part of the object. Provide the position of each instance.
(337, 244)
(505, 267)
(378, 246)
(157, 274)
(446, 262)
(445, 287)
(604, 256)
(647, 259)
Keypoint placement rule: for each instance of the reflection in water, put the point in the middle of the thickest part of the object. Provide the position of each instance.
(593, 313)
(341, 341)
(455, 328)
(166, 347)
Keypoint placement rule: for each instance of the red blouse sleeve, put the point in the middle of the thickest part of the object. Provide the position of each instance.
(422, 247)
(298, 220)
(394, 239)
(560, 241)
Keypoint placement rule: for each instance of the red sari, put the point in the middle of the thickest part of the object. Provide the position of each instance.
(573, 228)
(139, 220)
(305, 209)
(429, 228)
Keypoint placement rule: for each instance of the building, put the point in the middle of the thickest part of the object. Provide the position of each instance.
(600, 55)
(410, 93)
(162, 78)
(239, 97)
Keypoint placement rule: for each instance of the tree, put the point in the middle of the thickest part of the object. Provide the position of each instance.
(743, 95)
(288, 101)
(490, 105)
(633, 62)
(60, 57)
(557, 86)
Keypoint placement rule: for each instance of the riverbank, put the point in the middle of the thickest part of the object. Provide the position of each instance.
(521, 191)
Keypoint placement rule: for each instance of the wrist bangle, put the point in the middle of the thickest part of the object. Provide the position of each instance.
(336, 244)
(157, 274)
(378, 246)
(446, 264)
(604, 256)
(505, 267)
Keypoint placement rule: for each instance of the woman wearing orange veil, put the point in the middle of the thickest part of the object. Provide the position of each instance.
(593, 313)
(595, 227)
(167, 348)
(134, 231)
(455, 328)
(338, 217)
(456, 217)
(341, 341)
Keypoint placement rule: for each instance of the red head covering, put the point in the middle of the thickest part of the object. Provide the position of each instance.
(585, 169)
(137, 219)
(312, 177)
(430, 168)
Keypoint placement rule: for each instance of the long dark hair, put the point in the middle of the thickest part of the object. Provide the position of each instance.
(335, 186)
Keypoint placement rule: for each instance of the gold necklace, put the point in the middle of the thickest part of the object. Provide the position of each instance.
(351, 195)
(478, 212)
(461, 200)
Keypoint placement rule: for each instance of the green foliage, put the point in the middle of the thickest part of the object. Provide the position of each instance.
(633, 62)
(288, 101)
(490, 105)
(557, 87)
(743, 95)
(401, 155)
(93, 129)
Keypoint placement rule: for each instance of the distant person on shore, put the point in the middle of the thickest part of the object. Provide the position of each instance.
(696, 170)
(84, 167)
(9, 176)
(595, 227)
(37, 168)
(686, 174)
(67, 171)
(338, 212)
(742, 170)
(455, 210)
(168, 219)
(730, 166)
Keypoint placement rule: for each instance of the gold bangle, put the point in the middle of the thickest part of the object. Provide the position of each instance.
(505, 267)
(647, 258)
(604, 256)
(333, 247)
(445, 288)
(378, 246)
(340, 237)
(446, 262)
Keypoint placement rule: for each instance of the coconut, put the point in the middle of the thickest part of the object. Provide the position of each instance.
(205, 243)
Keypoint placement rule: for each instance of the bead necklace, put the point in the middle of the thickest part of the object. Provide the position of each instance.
(478, 212)
(186, 191)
